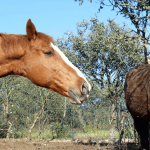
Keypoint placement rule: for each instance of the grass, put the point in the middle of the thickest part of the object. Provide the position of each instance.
(47, 134)
(100, 134)
(65, 133)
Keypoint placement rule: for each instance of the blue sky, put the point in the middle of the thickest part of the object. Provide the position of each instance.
(53, 17)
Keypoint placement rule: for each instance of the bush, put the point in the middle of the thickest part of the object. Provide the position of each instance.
(19, 134)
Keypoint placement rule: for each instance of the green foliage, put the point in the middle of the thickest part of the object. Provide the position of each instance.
(137, 11)
(23, 102)
(104, 54)
(19, 134)
(4, 128)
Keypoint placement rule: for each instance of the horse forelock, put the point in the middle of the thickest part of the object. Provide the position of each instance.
(45, 37)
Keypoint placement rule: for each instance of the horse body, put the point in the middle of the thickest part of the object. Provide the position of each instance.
(36, 57)
(137, 95)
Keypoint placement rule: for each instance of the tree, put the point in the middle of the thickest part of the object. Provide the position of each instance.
(22, 105)
(5, 94)
(138, 12)
(105, 55)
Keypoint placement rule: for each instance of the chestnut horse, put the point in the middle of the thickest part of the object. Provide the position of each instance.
(36, 57)
(137, 95)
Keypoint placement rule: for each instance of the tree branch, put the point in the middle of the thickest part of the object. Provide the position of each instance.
(141, 17)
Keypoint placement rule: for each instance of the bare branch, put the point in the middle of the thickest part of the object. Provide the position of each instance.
(141, 17)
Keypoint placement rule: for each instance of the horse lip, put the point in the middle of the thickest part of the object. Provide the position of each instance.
(74, 97)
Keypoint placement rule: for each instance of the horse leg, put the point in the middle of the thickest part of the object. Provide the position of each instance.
(142, 128)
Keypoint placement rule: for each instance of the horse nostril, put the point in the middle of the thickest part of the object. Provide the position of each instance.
(84, 89)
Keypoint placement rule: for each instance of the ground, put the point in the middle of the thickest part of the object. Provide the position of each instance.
(23, 144)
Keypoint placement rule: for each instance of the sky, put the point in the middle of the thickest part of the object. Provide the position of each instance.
(52, 17)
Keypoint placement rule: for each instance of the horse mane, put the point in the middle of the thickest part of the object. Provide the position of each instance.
(45, 37)
(13, 45)
(20, 42)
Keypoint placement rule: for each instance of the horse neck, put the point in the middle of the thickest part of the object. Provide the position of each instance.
(12, 48)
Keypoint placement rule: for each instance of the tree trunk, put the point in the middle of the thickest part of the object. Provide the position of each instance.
(112, 125)
(121, 128)
(145, 53)
(9, 129)
(7, 119)
(35, 121)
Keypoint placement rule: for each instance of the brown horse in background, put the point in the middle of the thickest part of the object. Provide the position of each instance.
(36, 57)
(137, 95)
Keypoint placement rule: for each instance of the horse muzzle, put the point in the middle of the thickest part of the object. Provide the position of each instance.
(79, 97)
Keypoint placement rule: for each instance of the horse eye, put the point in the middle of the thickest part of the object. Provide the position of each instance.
(49, 53)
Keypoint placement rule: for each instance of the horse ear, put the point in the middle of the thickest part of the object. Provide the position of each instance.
(30, 29)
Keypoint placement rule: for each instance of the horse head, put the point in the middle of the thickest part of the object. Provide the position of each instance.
(36, 57)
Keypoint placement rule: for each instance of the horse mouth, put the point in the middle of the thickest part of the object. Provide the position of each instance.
(76, 99)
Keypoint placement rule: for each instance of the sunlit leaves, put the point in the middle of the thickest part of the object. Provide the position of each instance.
(104, 53)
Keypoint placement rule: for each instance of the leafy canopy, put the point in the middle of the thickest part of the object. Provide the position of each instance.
(103, 53)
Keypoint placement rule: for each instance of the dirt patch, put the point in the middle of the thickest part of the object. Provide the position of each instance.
(23, 144)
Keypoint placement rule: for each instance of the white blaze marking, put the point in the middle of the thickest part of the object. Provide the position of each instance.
(69, 63)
